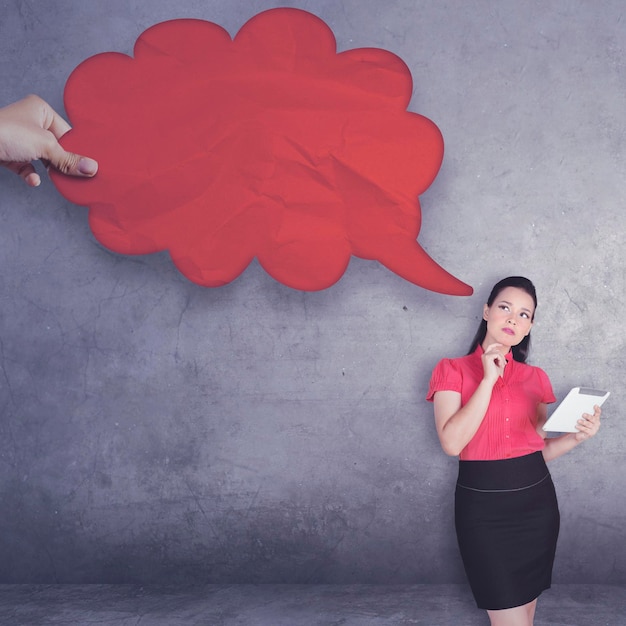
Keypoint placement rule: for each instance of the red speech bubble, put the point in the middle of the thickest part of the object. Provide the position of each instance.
(269, 145)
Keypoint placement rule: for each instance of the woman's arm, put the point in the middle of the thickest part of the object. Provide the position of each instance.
(588, 426)
(456, 424)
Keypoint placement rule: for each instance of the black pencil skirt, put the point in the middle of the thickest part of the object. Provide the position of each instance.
(507, 525)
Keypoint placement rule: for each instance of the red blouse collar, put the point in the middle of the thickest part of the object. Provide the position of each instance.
(508, 356)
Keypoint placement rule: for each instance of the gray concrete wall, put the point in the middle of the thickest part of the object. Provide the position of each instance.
(152, 430)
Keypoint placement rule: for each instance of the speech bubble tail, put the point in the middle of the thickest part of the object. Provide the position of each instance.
(407, 259)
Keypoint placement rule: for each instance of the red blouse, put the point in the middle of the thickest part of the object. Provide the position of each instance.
(509, 427)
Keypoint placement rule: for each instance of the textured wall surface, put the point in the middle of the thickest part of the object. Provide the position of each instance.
(152, 430)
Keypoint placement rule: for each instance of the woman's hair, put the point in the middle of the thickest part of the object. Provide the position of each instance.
(522, 349)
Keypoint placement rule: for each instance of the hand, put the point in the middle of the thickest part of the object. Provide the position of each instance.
(494, 362)
(588, 425)
(29, 130)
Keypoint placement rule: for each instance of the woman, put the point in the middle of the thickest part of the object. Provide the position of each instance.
(490, 407)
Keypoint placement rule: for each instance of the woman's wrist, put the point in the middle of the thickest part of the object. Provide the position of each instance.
(488, 382)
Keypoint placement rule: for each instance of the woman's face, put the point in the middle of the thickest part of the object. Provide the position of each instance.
(510, 317)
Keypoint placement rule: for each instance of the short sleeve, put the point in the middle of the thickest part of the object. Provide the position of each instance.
(547, 393)
(445, 377)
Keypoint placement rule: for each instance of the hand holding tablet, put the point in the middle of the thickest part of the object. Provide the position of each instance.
(578, 401)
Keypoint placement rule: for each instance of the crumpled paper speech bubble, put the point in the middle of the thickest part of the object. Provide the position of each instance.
(269, 145)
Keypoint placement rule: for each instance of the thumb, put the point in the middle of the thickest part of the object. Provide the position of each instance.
(69, 162)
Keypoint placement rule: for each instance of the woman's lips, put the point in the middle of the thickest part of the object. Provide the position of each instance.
(508, 331)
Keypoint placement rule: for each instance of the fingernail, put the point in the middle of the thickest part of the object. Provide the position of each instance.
(87, 166)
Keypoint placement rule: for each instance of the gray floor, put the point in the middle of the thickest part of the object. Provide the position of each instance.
(291, 605)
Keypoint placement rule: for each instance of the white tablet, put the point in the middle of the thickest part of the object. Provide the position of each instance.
(578, 401)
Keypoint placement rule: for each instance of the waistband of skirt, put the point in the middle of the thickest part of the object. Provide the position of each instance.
(504, 474)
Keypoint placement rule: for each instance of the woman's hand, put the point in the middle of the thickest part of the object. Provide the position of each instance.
(493, 362)
(30, 130)
(588, 425)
